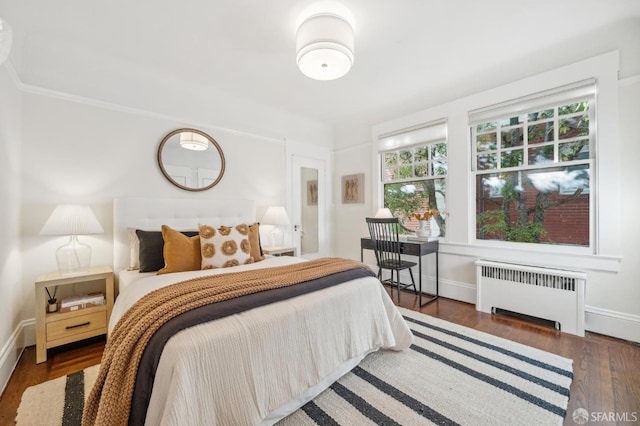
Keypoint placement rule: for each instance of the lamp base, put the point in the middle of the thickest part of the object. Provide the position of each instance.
(73, 257)
(277, 237)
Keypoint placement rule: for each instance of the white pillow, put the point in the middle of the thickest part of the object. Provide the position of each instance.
(134, 249)
(225, 247)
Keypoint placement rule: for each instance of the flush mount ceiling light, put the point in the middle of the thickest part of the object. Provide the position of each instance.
(324, 46)
(193, 141)
(6, 37)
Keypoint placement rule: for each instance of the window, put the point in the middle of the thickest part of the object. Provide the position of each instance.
(413, 172)
(532, 164)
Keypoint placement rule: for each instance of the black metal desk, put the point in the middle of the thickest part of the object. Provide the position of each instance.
(413, 248)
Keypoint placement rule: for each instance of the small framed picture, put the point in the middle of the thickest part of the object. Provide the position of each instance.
(312, 193)
(353, 189)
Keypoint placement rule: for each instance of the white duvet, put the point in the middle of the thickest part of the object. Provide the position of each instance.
(260, 365)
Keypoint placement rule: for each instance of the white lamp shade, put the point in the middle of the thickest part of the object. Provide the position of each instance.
(325, 46)
(72, 219)
(194, 141)
(275, 215)
(6, 39)
(384, 213)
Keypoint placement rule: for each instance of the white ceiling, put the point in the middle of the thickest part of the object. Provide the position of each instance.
(409, 54)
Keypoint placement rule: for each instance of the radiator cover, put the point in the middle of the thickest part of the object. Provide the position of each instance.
(553, 294)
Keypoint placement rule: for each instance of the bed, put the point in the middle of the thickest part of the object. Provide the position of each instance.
(258, 365)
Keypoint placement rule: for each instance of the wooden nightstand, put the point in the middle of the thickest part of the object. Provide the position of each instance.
(279, 251)
(59, 328)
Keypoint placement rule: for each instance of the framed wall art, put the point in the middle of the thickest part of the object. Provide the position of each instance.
(312, 193)
(353, 189)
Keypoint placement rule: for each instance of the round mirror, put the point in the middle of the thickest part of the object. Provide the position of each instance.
(191, 159)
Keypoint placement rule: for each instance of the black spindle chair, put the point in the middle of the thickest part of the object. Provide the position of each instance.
(386, 244)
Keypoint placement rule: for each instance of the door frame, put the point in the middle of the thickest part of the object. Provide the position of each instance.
(317, 155)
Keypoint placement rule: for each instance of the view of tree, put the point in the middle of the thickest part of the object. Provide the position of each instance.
(494, 216)
(417, 186)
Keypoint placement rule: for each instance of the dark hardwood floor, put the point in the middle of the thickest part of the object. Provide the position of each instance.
(606, 370)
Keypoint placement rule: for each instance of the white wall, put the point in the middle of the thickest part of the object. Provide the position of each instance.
(78, 153)
(612, 289)
(58, 148)
(12, 292)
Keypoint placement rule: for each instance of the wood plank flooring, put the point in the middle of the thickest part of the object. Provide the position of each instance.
(606, 370)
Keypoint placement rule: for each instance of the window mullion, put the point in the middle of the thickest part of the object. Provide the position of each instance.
(556, 135)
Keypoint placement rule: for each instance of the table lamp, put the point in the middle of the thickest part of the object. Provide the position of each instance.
(72, 220)
(384, 213)
(276, 216)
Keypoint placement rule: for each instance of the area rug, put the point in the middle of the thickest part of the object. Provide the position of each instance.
(450, 375)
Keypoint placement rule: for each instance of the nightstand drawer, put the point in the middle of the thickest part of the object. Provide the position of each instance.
(70, 327)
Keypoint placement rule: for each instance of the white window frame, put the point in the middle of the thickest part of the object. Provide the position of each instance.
(429, 134)
(552, 98)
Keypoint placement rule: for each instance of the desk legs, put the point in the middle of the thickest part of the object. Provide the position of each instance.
(433, 296)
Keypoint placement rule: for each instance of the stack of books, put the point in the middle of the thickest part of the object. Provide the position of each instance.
(81, 301)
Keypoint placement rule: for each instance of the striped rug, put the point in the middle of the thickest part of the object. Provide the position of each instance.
(450, 375)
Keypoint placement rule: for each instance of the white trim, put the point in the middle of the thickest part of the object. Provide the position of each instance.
(421, 134)
(542, 257)
(597, 320)
(353, 147)
(450, 289)
(613, 323)
(41, 91)
(628, 81)
(13, 348)
(314, 153)
(584, 89)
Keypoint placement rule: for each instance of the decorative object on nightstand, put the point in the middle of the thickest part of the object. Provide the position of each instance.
(88, 319)
(51, 300)
(72, 220)
(276, 216)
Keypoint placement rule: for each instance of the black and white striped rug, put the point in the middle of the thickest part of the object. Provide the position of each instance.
(451, 375)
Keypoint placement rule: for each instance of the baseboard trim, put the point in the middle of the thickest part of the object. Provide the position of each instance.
(598, 320)
(613, 323)
(456, 290)
(10, 353)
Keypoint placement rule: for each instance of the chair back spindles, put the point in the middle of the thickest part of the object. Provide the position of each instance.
(386, 245)
(385, 239)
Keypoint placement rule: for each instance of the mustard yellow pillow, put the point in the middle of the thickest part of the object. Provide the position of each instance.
(225, 247)
(181, 253)
(254, 239)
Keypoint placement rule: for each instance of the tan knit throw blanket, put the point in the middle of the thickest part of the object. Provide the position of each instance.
(109, 402)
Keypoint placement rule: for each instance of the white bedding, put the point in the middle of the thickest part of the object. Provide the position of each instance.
(262, 364)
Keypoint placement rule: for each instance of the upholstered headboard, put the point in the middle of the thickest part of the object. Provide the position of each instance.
(179, 213)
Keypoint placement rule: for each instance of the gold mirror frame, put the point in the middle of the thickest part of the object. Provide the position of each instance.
(212, 143)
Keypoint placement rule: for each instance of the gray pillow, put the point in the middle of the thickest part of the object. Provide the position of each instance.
(151, 249)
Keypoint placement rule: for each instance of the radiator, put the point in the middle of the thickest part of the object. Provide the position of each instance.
(551, 294)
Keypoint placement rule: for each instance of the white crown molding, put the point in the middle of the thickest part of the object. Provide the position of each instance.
(353, 147)
(628, 81)
(41, 91)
